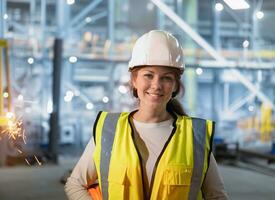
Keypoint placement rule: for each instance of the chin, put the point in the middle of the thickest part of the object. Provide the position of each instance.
(156, 105)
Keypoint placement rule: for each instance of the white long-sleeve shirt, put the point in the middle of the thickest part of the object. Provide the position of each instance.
(152, 137)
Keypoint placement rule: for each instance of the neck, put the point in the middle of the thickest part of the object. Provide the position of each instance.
(152, 116)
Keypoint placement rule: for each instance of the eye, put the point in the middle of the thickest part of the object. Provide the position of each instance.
(167, 78)
(148, 76)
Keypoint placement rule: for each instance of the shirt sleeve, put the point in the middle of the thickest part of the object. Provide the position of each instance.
(213, 186)
(83, 175)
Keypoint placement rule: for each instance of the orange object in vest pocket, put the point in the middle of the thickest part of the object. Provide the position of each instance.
(95, 192)
(176, 181)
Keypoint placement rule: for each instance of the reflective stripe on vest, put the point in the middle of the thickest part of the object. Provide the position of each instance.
(199, 128)
(108, 134)
(107, 139)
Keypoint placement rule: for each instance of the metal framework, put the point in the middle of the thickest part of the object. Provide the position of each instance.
(207, 47)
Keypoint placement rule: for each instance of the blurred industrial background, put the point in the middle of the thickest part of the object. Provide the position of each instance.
(62, 61)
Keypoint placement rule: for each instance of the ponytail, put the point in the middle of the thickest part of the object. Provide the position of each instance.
(174, 106)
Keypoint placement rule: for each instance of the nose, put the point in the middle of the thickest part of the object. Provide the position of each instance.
(156, 83)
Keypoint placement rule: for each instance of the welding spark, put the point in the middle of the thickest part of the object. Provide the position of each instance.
(19, 151)
(27, 161)
(24, 137)
(39, 163)
(13, 127)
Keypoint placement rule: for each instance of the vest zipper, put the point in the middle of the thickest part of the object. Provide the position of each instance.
(139, 157)
(161, 153)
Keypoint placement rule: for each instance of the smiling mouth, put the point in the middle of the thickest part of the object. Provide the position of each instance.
(155, 94)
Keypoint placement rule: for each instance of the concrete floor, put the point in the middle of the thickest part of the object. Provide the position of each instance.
(33, 183)
(43, 183)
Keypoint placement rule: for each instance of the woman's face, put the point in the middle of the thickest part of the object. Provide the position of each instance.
(154, 85)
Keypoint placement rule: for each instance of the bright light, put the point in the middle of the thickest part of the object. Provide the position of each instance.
(89, 106)
(70, 2)
(218, 7)
(105, 99)
(72, 59)
(88, 19)
(237, 4)
(251, 108)
(150, 6)
(6, 16)
(5, 95)
(20, 97)
(259, 15)
(122, 89)
(69, 93)
(199, 71)
(30, 60)
(10, 115)
(245, 44)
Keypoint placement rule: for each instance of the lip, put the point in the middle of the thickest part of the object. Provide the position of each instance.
(154, 94)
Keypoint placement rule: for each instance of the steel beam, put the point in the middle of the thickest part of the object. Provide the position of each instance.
(2, 20)
(84, 12)
(43, 21)
(82, 95)
(61, 19)
(4, 139)
(56, 87)
(216, 28)
(240, 102)
(208, 48)
(56, 84)
(111, 25)
(94, 18)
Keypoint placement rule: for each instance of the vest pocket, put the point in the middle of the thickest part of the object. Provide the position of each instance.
(176, 181)
(117, 174)
(116, 179)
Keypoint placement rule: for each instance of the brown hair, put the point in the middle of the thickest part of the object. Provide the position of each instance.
(173, 105)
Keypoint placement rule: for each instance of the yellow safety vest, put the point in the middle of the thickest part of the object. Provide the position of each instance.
(179, 170)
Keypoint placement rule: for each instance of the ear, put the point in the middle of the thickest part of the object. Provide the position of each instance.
(133, 81)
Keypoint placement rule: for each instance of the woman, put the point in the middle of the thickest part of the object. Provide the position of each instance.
(155, 152)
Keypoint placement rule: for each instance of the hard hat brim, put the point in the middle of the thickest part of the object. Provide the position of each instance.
(181, 70)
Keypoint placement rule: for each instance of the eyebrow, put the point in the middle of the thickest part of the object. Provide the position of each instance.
(161, 74)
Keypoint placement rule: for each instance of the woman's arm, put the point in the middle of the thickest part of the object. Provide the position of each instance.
(83, 175)
(213, 186)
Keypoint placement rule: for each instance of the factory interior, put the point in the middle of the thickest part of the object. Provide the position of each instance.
(63, 61)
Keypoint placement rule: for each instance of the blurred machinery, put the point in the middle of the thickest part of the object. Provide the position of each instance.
(257, 140)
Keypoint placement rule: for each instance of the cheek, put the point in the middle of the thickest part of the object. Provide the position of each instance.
(172, 87)
(140, 83)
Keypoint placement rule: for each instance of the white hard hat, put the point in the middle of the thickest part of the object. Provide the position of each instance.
(157, 48)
